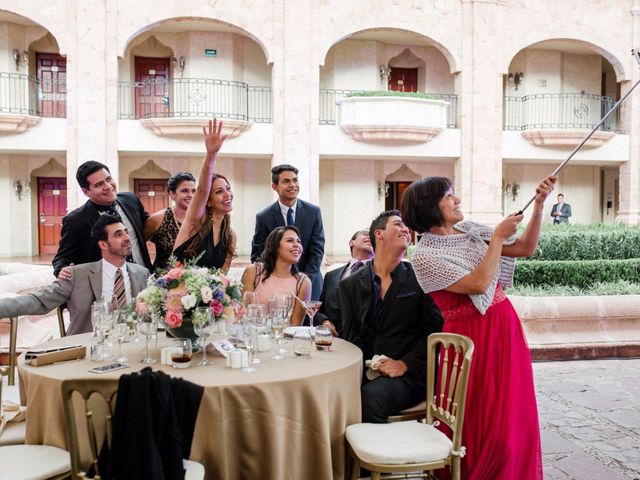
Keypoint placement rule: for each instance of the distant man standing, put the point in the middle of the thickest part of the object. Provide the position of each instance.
(76, 246)
(361, 253)
(289, 210)
(561, 211)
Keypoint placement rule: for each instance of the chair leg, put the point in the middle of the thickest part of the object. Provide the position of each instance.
(12, 349)
(355, 469)
(455, 468)
(375, 475)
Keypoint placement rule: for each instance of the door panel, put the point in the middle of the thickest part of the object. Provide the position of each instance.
(52, 206)
(152, 77)
(153, 194)
(52, 89)
(403, 79)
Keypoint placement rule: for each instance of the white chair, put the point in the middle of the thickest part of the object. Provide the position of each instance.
(13, 433)
(412, 446)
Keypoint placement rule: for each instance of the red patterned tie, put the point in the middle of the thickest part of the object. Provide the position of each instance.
(119, 292)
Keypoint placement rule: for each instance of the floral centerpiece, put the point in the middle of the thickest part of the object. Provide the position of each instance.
(173, 296)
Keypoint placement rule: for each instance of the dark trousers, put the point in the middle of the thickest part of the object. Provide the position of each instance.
(386, 396)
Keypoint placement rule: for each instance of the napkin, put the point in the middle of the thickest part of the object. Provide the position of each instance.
(373, 365)
(11, 412)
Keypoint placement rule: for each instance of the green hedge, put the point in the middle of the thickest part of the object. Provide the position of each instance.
(581, 274)
(392, 93)
(588, 242)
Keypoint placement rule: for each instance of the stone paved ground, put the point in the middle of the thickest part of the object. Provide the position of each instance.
(589, 419)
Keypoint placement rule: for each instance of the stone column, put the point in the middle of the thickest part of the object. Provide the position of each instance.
(92, 87)
(296, 94)
(479, 169)
(629, 211)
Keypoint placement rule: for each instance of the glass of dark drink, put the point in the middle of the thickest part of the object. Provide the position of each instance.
(181, 353)
(323, 338)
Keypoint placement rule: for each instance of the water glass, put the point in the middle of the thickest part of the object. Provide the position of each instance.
(147, 327)
(279, 321)
(181, 353)
(122, 330)
(302, 343)
(204, 325)
(323, 338)
(250, 339)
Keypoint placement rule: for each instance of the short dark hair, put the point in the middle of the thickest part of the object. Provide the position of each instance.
(561, 195)
(86, 169)
(177, 179)
(278, 169)
(270, 252)
(380, 223)
(420, 203)
(99, 229)
(355, 235)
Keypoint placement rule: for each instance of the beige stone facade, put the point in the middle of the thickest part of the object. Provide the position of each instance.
(523, 80)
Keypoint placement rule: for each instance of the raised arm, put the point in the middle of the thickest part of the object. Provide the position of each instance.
(213, 140)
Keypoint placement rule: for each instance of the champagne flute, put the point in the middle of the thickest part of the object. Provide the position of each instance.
(147, 327)
(122, 328)
(250, 334)
(279, 321)
(203, 325)
(256, 315)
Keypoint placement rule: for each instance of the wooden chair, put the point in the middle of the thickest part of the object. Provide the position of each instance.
(13, 356)
(60, 313)
(89, 421)
(410, 446)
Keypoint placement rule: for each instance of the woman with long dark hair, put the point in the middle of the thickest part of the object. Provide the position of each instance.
(463, 265)
(162, 227)
(206, 230)
(276, 271)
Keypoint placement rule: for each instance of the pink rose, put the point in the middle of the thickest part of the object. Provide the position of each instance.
(217, 307)
(142, 308)
(173, 319)
(174, 273)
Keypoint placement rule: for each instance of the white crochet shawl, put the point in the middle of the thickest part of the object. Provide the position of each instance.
(441, 260)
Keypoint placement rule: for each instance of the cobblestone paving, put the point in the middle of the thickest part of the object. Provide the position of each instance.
(589, 419)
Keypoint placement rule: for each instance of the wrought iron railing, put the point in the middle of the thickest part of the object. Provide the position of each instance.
(561, 111)
(27, 95)
(329, 108)
(194, 97)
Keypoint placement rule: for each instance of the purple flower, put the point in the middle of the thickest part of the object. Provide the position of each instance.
(162, 282)
(218, 294)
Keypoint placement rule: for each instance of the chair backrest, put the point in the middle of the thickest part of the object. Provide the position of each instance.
(446, 397)
(89, 406)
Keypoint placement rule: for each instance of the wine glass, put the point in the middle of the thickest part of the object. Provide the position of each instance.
(256, 315)
(279, 321)
(250, 334)
(203, 325)
(311, 307)
(148, 327)
(285, 300)
(122, 328)
(249, 298)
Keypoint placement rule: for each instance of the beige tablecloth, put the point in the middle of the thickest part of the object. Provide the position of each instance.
(286, 421)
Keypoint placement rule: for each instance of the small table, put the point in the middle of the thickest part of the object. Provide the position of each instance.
(285, 421)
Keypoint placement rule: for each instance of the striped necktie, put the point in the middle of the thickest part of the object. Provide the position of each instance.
(119, 292)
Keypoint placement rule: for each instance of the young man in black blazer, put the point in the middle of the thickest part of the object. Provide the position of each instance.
(99, 186)
(385, 312)
(290, 210)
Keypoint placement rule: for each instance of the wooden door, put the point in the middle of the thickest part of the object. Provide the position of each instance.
(52, 206)
(152, 92)
(393, 201)
(52, 89)
(403, 79)
(153, 194)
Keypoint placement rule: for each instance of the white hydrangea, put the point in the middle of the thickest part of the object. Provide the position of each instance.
(189, 301)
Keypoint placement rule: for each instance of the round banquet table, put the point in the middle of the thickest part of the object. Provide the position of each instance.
(286, 421)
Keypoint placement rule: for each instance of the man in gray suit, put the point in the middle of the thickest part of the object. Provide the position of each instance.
(111, 278)
(561, 211)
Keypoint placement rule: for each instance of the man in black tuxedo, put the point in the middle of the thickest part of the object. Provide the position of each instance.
(561, 211)
(385, 312)
(289, 210)
(361, 253)
(76, 246)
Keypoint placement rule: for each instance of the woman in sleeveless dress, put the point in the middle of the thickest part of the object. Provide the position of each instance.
(276, 271)
(206, 231)
(463, 266)
(162, 227)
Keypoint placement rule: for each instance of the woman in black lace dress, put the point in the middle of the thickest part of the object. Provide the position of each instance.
(162, 227)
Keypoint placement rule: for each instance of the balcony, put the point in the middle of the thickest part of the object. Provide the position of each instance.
(329, 107)
(24, 99)
(560, 119)
(181, 106)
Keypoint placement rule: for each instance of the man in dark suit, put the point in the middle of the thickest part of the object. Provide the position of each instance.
(89, 281)
(361, 253)
(75, 245)
(385, 312)
(289, 210)
(561, 211)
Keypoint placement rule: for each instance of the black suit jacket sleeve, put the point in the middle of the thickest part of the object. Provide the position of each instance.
(259, 237)
(315, 248)
(69, 246)
(348, 314)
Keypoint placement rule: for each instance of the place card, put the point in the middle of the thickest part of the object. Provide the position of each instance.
(223, 346)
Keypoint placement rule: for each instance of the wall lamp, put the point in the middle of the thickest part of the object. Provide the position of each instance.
(514, 79)
(385, 73)
(19, 189)
(383, 190)
(512, 190)
(20, 57)
(182, 62)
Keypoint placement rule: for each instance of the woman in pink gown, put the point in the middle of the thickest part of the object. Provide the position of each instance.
(462, 265)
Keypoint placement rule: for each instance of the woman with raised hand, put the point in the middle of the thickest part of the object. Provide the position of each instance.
(463, 265)
(162, 227)
(276, 271)
(206, 231)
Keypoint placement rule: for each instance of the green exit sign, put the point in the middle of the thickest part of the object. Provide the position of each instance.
(210, 52)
